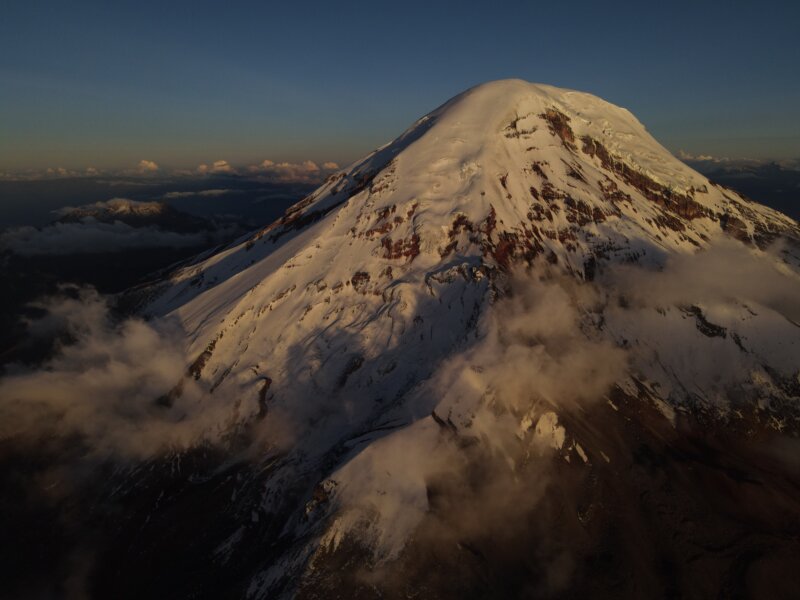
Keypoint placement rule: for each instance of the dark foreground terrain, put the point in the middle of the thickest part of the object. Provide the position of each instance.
(689, 512)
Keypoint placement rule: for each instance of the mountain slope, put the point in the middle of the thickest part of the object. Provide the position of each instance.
(381, 345)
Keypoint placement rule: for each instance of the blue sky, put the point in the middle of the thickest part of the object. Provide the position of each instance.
(106, 84)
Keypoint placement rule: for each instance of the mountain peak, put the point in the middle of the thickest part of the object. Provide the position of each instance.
(364, 335)
(507, 171)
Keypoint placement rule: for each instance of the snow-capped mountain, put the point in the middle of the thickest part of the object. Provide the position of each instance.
(135, 214)
(485, 338)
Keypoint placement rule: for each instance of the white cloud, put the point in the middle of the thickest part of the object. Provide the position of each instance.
(688, 156)
(60, 172)
(49, 173)
(147, 166)
(92, 236)
(216, 168)
(213, 193)
(105, 386)
(728, 270)
(306, 171)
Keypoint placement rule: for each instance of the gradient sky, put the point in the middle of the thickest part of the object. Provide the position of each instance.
(106, 84)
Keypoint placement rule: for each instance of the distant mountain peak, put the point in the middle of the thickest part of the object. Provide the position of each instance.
(113, 207)
(135, 213)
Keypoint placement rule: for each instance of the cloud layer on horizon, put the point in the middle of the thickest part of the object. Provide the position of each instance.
(306, 171)
(147, 166)
(102, 227)
(94, 237)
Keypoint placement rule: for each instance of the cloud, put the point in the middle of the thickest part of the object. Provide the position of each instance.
(116, 225)
(49, 173)
(105, 386)
(716, 329)
(218, 167)
(726, 272)
(708, 164)
(59, 172)
(213, 193)
(304, 171)
(495, 412)
(142, 169)
(92, 236)
(147, 166)
(699, 158)
(307, 171)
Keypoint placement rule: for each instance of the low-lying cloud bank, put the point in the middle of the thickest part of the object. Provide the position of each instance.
(117, 225)
(211, 193)
(307, 171)
(728, 272)
(707, 160)
(283, 171)
(92, 237)
(104, 387)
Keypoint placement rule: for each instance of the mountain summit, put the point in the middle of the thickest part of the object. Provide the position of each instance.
(496, 357)
(506, 172)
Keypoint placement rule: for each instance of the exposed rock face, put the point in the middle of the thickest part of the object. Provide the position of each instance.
(332, 323)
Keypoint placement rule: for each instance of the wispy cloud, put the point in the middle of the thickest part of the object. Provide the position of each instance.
(707, 163)
(213, 193)
(93, 237)
(683, 155)
(285, 171)
(105, 386)
(110, 226)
